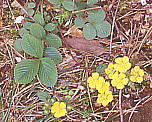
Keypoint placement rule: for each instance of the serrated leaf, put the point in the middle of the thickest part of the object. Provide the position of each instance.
(89, 31)
(33, 46)
(53, 40)
(31, 5)
(30, 12)
(79, 22)
(23, 32)
(39, 19)
(101, 68)
(68, 5)
(43, 96)
(37, 30)
(27, 25)
(47, 72)
(54, 54)
(97, 16)
(50, 27)
(91, 2)
(18, 44)
(103, 29)
(26, 70)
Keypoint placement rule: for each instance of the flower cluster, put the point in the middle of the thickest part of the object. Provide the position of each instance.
(59, 109)
(120, 74)
(137, 74)
(97, 82)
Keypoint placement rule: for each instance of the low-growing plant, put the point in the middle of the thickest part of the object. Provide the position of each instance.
(120, 74)
(44, 59)
(94, 24)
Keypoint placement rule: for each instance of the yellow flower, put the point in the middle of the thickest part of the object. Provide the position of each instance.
(105, 98)
(137, 74)
(119, 80)
(59, 109)
(110, 70)
(94, 80)
(103, 86)
(122, 64)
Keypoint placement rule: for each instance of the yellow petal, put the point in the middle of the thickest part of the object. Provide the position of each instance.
(107, 71)
(105, 102)
(128, 66)
(62, 105)
(139, 79)
(120, 86)
(133, 78)
(118, 60)
(95, 75)
(122, 75)
(136, 68)
(125, 81)
(110, 66)
(125, 59)
(92, 84)
(90, 79)
(141, 72)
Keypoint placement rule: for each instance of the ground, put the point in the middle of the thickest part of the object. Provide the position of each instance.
(131, 35)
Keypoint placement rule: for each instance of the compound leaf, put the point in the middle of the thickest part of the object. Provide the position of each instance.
(68, 4)
(43, 96)
(89, 31)
(47, 72)
(53, 40)
(39, 19)
(50, 27)
(37, 30)
(79, 22)
(23, 32)
(32, 46)
(26, 70)
(54, 54)
(103, 29)
(18, 44)
(31, 5)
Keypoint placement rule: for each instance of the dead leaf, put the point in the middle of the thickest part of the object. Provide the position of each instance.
(90, 46)
(74, 32)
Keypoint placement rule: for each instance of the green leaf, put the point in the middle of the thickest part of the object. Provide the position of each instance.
(31, 5)
(33, 46)
(43, 96)
(53, 40)
(37, 30)
(101, 68)
(96, 16)
(54, 54)
(91, 2)
(30, 12)
(18, 44)
(55, 1)
(47, 72)
(39, 19)
(50, 27)
(103, 29)
(89, 31)
(23, 32)
(26, 70)
(79, 22)
(68, 5)
(27, 25)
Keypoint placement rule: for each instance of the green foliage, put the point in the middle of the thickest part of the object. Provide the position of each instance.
(47, 72)
(33, 46)
(31, 5)
(26, 70)
(53, 40)
(54, 54)
(96, 25)
(67, 4)
(44, 96)
(39, 19)
(89, 31)
(101, 68)
(17, 44)
(31, 42)
(37, 30)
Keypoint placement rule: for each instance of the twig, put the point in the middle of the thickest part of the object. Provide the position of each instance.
(120, 107)
(74, 12)
(113, 24)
